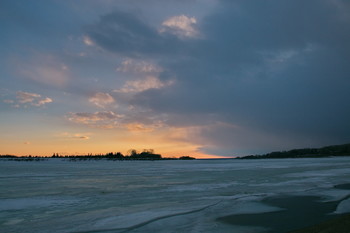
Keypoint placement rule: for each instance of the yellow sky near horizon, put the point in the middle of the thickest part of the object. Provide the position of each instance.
(81, 140)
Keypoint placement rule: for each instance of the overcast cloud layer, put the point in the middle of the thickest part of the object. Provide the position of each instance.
(239, 77)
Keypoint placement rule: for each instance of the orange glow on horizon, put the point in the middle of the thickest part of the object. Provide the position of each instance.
(46, 148)
(69, 139)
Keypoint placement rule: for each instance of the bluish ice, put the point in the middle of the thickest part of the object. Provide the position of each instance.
(58, 195)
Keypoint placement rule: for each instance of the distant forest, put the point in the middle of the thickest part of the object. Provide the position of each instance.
(146, 154)
(328, 151)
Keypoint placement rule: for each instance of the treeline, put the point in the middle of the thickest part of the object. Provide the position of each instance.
(146, 154)
(328, 151)
(23, 158)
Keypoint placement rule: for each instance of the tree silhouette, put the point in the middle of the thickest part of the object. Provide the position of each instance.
(132, 152)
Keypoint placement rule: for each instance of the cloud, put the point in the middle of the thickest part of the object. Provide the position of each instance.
(43, 101)
(9, 101)
(79, 136)
(127, 35)
(132, 119)
(141, 85)
(87, 41)
(27, 98)
(105, 119)
(139, 127)
(44, 69)
(101, 99)
(275, 68)
(181, 26)
(147, 75)
(138, 67)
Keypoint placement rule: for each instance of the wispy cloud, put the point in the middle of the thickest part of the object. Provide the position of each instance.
(43, 101)
(105, 119)
(139, 127)
(79, 136)
(28, 99)
(7, 101)
(149, 82)
(133, 120)
(44, 69)
(138, 67)
(181, 26)
(87, 41)
(101, 99)
(147, 73)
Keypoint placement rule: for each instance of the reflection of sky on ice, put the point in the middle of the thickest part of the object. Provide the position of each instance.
(169, 196)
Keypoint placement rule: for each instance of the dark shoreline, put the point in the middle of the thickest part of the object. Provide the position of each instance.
(323, 152)
(299, 214)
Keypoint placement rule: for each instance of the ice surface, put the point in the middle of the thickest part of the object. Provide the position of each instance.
(160, 196)
(38, 202)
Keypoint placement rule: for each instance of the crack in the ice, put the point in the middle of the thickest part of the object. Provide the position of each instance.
(127, 229)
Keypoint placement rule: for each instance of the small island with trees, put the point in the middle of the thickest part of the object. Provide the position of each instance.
(327, 151)
(146, 154)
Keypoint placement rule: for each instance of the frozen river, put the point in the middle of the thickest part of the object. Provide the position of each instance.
(58, 195)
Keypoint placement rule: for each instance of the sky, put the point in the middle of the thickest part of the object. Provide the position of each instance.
(202, 78)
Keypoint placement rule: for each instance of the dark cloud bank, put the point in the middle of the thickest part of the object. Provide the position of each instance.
(264, 75)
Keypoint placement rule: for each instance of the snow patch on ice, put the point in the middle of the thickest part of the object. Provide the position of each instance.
(343, 207)
(253, 208)
(13, 221)
(334, 194)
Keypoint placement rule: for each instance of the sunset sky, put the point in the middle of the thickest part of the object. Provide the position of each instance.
(202, 78)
